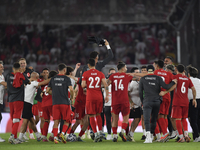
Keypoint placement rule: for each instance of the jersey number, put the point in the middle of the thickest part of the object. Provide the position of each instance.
(120, 86)
(183, 89)
(92, 80)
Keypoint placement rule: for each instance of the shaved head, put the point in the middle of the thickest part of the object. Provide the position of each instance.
(34, 75)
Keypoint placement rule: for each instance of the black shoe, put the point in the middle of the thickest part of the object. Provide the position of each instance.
(79, 139)
(122, 136)
(92, 135)
(177, 139)
(143, 137)
(114, 139)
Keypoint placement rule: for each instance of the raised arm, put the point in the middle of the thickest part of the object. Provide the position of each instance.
(71, 92)
(106, 89)
(76, 68)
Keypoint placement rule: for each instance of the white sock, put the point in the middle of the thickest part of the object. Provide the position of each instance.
(148, 135)
(95, 134)
(21, 135)
(177, 132)
(100, 131)
(181, 136)
(123, 131)
(144, 131)
(37, 134)
(52, 135)
(131, 133)
(158, 136)
(63, 133)
(114, 135)
(186, 133)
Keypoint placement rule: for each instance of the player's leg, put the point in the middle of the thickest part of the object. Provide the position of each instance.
(85, 125)
(115, 118)
(47, 112)
(1, 106)
(56, 117)
(23, 128)
(185, 123)
(107, 111)
(33, 126)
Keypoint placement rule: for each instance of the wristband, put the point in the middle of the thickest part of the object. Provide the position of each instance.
(108, 46)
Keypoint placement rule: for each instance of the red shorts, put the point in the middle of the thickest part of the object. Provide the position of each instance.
(35, 110)
(123, 108)
(79, 111)
(179, 111)
(62, 111)
(47, 112)
(94, 107)
(164, 107)
(16, 109)
(40, 109)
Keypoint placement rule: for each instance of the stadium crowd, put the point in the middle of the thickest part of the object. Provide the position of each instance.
(51, 44)
(138, 95)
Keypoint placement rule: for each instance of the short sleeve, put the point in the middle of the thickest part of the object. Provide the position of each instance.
(102, 75)
(111, 77)
(190, 84)
(84, 76)
(130, 78)
(35, 83)
(50, 83)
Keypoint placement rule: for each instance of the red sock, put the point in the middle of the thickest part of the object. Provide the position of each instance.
(93, 124)
(127, 129)
(81, 126)
(179, 127)
(157, 130)
(166, 121)
(45, 128)
(81, 133)
(99, 122)
(72, 131)
(55, 132)
(114, 130)
(88, 128)
(162, 125)
(41, 129)
(124, 126)
(30, 131)
(14, 129)
(69, 130)
(65, 127)
(185, 125)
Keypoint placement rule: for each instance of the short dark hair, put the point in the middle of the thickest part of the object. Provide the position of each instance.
(16, 65)
(120, 65)
(52, 73)
(180, 68)
(61, 66)
(192, 71)
(144, 67)
(45, 69)
(160, 63)
(94, 54)
(133, 69)
(169, 57)
(91, 62)
(111, 69)
(69, 70)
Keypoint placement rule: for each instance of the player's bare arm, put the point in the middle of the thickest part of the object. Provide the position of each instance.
(4, 83)
(76, 68)
(194, 102)
(83, 84)
(73, 77)
(44, 82)
(106, 89)
(162, 93)
(48, 90)
(131, 102)
(71, 92)
(108, 82)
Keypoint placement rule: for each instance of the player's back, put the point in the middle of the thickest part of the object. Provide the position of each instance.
(181, 91)
(93, 80)
(119, 86)
(167, 78)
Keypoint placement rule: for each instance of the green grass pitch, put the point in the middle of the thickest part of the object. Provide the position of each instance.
(105, 145)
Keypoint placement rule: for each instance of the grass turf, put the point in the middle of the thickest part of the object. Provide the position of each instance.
(90, 145)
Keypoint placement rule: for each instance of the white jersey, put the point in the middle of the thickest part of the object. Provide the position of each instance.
(73, 83)
(2, 79)
(109, 96)
(196, 83)
(133, 89)
(30, 90)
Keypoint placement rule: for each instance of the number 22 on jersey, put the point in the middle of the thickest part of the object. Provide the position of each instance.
(92, 84)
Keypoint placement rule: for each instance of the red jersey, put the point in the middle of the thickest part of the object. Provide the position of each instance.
(119, 88)
(180, 97)
(93, 80)
(167, 77)
(81, 97)
(47, 98)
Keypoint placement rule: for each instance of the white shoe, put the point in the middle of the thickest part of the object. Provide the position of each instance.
(25, 137)
(31, 136)
(66, 135)
(148, 140)
(2, 140)
(109, 137)
(88, 134)
(197, 139)
(173, 135)
(83, 136)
